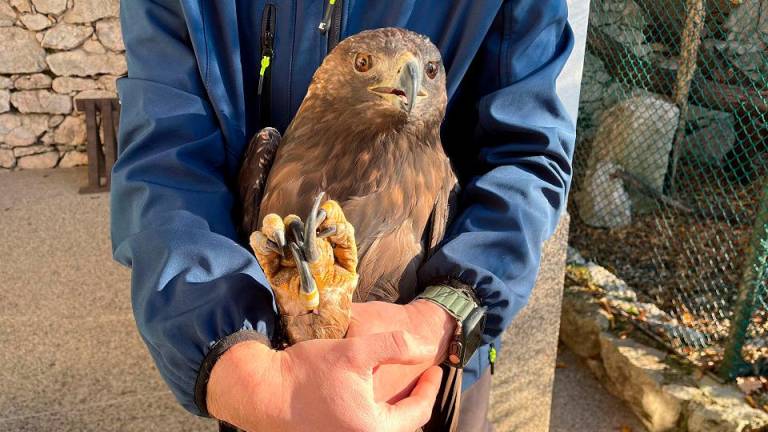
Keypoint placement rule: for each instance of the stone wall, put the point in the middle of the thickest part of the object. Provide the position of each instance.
(53, 52)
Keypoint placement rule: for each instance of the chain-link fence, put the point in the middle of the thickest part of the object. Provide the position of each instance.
(671, 191)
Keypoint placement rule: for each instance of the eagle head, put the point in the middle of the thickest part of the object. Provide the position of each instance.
(385, 78)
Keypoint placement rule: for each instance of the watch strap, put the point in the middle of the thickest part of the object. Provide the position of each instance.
(456, 302)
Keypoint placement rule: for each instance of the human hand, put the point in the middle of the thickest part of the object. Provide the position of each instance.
(320, 385)
(431, 324)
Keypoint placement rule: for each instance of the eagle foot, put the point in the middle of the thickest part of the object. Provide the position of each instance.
(312, 267)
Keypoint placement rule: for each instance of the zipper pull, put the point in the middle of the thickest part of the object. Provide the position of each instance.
(492, 358)
(327, 16)
(265, 62)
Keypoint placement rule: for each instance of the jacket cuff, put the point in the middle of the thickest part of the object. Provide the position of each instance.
(217, 350)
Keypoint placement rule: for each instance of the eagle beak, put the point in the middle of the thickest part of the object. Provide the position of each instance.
(405, 88)
(410, 82)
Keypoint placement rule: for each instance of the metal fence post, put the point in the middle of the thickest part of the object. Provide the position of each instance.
(753, 278)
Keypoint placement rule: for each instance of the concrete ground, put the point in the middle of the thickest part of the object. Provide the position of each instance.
(72, 359)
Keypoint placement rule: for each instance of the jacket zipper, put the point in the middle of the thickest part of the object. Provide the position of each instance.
(331, 23)
(268, 20)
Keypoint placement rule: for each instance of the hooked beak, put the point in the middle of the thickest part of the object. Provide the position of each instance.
(406, 86)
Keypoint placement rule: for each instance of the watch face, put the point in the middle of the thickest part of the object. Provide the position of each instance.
(473, 328)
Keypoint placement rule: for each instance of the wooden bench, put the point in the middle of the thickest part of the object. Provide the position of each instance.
(101, 155)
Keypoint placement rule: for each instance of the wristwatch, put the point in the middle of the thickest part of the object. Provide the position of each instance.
(470, 320)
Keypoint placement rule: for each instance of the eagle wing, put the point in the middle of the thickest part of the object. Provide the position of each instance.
(252, 179)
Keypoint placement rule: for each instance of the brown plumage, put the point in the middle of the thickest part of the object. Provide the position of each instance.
(384, 164)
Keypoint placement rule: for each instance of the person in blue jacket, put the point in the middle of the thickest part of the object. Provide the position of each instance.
(190, 103)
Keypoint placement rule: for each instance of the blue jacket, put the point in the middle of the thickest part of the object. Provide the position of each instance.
(190, 104)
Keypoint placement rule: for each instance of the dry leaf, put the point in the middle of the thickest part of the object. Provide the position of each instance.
(625, 429)
(750, 401)
(749, 385)
(560, 365)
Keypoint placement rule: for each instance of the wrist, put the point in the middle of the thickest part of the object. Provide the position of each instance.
(434, 324)
(245, 384)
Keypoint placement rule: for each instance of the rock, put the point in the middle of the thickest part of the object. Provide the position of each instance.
(644, 124)
(73, 159)
(7, 160)
(747, 28)
(70, 85)
(637, 371)
(713, 136)
(41, 101)
(109, 34)
(66, 36)
(93, 47)
(35, 22)
(602, 200)
(108, 83)
(31, 82)
(70, 132)
(613, 286)
(55, 120)
(7, 14)
(574, 257)
(581, 322)
(6, 83)
(29, 150)
(19, 137)
(50, 6)
(5, 101)
(20, 52)
(39, 161)
(21, 5)
(717, 408)
(95, 94)
(80, 63)
(624, 21)
(86, 11)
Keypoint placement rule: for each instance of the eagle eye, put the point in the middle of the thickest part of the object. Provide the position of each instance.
(431, 69)
(363, 62)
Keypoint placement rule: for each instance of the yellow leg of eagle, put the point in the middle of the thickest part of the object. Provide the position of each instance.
(324, 253)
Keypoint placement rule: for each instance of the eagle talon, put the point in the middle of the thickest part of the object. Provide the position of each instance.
(315, 218)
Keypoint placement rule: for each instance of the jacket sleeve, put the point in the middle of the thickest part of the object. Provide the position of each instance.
(194, 289)
(517, 191)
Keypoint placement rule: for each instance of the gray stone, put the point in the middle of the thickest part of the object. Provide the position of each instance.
(713, 136)
(50, 6)
(613, 286)
(5, 101)
(29, 150)
(7, 160)
(86, 11)
(581, 322)
(6, 83)
(66, 36)
(41, 101)
(70, 85)
(7, 14)
(638, 371)
(73, 159)
(32, 82)
(109, 34)
(602, 201)
(93, 47)
(80, 63)
(624, 21)
(35, 22)
(20, 52)
(21, 5)
(70, 132)
(717, 408)
(39, 161)
(574, 257)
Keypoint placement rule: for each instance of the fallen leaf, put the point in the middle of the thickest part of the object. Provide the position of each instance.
(560, 365)
(750, 401)
(749, 385)
(625, 429)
